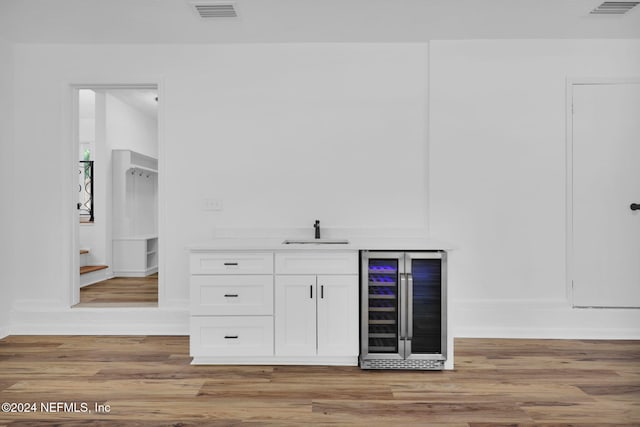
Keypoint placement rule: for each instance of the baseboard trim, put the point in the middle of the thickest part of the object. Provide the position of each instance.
(555, 334)
(95, 277)
(541, 319)
(175, 304)
(37, 305)
(277, 360)
(135, 273)
(101, 321)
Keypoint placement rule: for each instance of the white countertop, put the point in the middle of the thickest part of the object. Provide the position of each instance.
(359, 243)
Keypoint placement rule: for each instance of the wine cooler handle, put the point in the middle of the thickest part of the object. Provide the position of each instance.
(409, 300)
(403, 297)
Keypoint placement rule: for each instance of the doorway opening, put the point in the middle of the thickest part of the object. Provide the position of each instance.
(117, 237)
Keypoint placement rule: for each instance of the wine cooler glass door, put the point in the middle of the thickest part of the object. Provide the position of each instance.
(425, 332)
(383, 284)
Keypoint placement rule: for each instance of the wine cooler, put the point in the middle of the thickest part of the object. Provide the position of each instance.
(403, 312)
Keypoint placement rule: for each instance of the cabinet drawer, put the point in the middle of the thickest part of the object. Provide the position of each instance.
(232, 263)
(317, 263)
(232, 336)
(232, 295)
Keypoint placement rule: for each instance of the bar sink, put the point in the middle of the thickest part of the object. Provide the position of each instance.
(316, 242)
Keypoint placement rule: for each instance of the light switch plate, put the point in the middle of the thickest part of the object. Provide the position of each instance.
(212, 204)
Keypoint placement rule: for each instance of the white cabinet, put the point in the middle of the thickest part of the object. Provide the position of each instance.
(316, 304)
(274, 307)
(317, 315)
(135, 256)
(231, 306)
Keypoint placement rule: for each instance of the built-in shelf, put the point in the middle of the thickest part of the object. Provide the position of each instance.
(135, 256)
(128, 160)
(135, 247)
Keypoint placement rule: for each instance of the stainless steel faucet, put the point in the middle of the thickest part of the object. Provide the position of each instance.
(317, 227)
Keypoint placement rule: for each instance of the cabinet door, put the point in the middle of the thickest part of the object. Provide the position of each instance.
(338, 315)
(295, 315)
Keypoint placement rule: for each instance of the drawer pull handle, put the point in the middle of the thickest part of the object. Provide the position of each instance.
(231, 337)
(230, 263)
(231, 295)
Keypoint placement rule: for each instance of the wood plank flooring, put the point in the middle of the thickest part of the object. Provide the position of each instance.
(121, 291)
(148, 381)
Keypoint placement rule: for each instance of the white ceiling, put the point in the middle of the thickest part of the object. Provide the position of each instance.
(175, 21)
(143, 100)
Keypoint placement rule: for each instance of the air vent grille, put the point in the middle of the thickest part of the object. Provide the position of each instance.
(216, 10)
(614, 7)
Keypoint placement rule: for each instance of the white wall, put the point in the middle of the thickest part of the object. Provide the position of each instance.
(282, 134)
(87, 119)
(130, 129)
(7, 182)
(136, 210)
(285, 134)
(497, 175)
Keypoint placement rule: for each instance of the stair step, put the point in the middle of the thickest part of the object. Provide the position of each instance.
(84, 251)
(89, 268)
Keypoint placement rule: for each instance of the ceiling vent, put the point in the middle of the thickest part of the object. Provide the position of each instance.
(207, 10)
(614, 7)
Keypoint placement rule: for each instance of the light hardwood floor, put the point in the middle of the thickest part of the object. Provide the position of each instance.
(121, 291)
(147, 380)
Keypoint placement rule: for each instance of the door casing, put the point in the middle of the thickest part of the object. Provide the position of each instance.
(73, 294)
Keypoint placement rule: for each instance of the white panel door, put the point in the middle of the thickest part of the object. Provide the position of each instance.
(606, 182)
(338, 315)
(295, 315)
